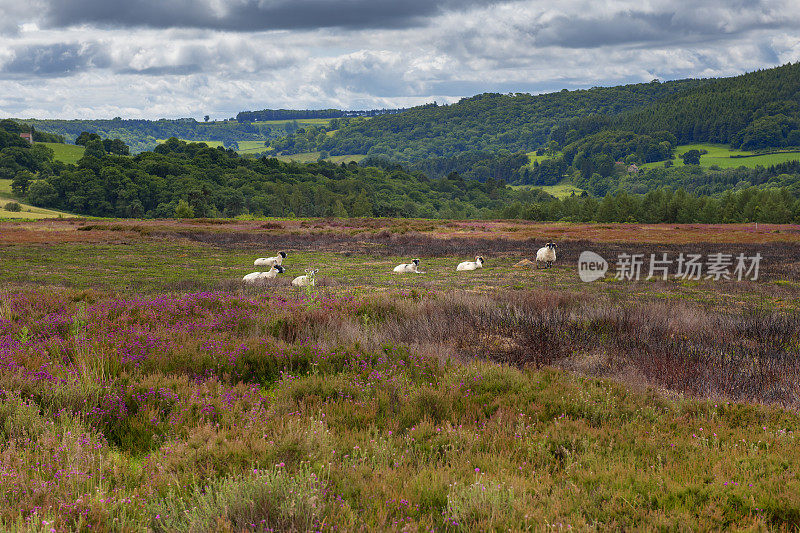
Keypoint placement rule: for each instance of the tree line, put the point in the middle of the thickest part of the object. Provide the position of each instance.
(666, 205)
(192, 179)
(215, 182)
(484, 123)
(294, 114)
(753, 111)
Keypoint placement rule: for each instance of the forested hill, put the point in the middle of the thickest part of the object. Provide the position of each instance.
(141, 135)
(486, 122)
(295, 114)
(753, 111)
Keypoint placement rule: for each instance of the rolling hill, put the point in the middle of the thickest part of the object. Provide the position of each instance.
(753, 111)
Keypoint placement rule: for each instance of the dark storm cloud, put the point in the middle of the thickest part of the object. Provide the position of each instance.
(54, 60)
(641, 27)
(251, 15)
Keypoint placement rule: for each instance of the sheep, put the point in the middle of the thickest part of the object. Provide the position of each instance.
(254, 278)
(269, 261)
(471, 265)
(309, 280)
(546, 254)
(413, 266)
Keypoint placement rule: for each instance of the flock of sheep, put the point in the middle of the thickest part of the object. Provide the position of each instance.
(546, 254)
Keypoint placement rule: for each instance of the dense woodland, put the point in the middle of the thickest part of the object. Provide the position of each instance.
(486, 122)
(638, 123)
(193, 180)
(753, 111)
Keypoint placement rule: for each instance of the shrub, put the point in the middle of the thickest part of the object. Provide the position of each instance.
(184, 210)
(481, 505)
(14, 207)
(268, 500)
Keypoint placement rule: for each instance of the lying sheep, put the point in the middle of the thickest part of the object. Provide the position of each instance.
(309, 280)
(413, 266)
(270, 261)
(255, 278)
(546, 254)
(471, 265)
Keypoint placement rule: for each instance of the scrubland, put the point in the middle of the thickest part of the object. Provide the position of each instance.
(145, 389)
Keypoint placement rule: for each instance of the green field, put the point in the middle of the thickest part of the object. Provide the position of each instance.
(68, 153)
(251, 146)
(560, 190)
(720, 155)
(28, 211)
(533, 157)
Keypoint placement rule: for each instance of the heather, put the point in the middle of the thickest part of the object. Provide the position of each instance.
(230, 411)
(509, 400)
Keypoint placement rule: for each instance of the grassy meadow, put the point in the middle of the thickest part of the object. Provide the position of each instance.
(721, 155)
(560, 190)
(251, 146)
(27, 212)
(145, 389)
(67, 153)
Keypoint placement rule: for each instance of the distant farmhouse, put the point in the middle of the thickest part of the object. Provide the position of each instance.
(27, 136)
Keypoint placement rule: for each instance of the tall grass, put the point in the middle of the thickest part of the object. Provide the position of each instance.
(244, 411)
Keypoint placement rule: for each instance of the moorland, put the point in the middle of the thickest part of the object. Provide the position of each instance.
(144, 388)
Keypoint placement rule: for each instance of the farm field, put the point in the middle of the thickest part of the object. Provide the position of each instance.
(720, 155)
(67, 153)
(560, 190)
(145, 388)
(28, 211)
(251, 146)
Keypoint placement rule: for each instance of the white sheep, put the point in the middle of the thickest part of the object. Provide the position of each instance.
(546, 254)
(309, 280)
(255, 278)
(471, 265)
(270, 261)
(413, 266)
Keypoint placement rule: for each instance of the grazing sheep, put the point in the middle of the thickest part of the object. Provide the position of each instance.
(471, 265)
(270, 261)
(255, 278)
(413, 266)
(309, 280)
(546, 254)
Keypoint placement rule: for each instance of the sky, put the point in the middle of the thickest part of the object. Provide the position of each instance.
(189, 58)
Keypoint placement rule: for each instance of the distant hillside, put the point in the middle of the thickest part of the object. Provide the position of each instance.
(752, 111)
(298, 114)
(486, 122)
(141, 135)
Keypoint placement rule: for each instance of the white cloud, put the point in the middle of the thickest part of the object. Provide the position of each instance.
(103, 71)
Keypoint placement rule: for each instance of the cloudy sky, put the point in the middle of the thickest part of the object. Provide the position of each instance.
(188, 58)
